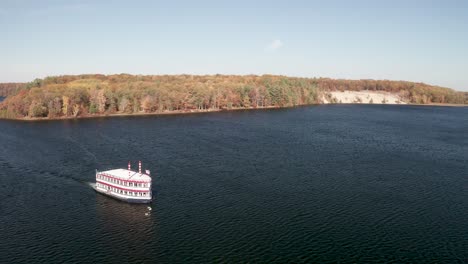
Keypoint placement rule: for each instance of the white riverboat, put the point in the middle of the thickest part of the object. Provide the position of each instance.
(125, 184)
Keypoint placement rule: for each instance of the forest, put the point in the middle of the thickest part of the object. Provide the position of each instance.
(9, 88)
(96, 95)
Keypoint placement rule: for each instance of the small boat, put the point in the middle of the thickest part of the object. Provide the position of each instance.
(125, 184)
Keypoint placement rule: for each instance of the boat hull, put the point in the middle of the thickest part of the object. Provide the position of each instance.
(123, 199)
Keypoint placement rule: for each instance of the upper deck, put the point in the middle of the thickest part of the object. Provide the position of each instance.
(127, 175)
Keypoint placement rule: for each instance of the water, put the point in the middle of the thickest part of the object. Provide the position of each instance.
(314, 184)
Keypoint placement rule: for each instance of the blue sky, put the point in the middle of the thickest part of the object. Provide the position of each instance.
(424, 41)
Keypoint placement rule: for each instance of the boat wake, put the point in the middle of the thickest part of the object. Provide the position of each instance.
(91, 184)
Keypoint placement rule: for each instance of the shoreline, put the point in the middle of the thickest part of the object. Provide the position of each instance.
(187, 112)
(175, 112)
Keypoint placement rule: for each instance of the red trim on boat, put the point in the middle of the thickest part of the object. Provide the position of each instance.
(121, 188)
(120, 179)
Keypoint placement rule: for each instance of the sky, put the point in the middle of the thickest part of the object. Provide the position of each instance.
(422, 41)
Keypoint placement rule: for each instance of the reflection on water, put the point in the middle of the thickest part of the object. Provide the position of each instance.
(125, 225)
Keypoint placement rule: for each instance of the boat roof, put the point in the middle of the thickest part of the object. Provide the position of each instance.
(125, 175)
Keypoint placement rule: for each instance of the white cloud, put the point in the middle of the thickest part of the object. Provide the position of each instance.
(274, 45)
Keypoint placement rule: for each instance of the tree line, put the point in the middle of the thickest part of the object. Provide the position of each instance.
(7, 89)
(88, 95)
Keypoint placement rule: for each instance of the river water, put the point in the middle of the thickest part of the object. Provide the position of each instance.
(349, 183)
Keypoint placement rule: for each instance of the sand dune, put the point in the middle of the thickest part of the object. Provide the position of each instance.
(362, 97)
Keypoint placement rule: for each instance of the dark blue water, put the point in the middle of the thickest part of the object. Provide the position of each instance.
(317, 184)
(2, 98)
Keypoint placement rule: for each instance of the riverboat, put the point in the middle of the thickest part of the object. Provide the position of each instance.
(125, 184)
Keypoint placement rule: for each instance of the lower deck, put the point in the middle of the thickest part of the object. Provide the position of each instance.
(126, 198)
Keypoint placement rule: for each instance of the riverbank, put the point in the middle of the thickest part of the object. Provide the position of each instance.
(186, 112)
(175, 112)
(85, 96)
